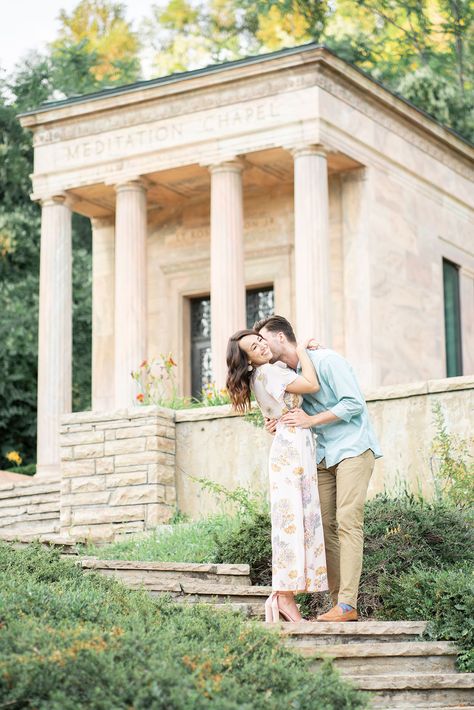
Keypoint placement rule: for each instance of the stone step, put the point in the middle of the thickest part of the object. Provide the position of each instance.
(418, 690)
(250, 610)
(66, 545)
(209, 592)
(170, 576)
(314, 634)
(400, 657)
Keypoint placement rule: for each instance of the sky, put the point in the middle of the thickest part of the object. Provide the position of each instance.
(31, 24)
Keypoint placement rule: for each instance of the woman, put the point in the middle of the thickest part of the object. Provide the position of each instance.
(298, 557)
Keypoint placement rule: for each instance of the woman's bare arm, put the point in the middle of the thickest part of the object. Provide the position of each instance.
(307, 382)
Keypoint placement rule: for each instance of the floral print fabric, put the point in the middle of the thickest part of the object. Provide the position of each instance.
(298, 555)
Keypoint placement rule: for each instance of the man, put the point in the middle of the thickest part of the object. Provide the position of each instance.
(346, 452)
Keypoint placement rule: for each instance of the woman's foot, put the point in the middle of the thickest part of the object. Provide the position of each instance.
(287, 606)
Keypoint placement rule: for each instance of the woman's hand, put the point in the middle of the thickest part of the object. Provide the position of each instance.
(309, 344)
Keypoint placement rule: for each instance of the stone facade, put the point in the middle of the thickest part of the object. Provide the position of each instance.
(290, 170)
(118, 472)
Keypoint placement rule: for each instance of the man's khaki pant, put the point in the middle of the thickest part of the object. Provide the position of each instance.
(342, 493)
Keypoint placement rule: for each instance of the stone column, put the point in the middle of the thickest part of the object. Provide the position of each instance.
(103, 285)
(357, 202)
(130, 288)
(312, 253)
(54, 332)
(227, 261)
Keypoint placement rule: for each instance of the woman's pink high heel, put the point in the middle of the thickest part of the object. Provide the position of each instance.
(273, 611)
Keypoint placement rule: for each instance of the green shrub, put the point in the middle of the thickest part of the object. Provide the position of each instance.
(249, 543)
(71, 640)
(452, 464)
(445, 597)
(407, 532)
(28, 469)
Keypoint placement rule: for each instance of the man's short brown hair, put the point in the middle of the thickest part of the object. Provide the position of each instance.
(276, 324)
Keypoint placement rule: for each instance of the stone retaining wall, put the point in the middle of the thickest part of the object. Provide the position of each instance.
(29, 506)
(215, 443)
(118, 472)
(124, 471)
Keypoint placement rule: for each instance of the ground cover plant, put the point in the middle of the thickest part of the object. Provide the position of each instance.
(70, 640)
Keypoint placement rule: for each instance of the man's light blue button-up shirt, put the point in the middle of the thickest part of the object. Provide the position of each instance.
(340, 393)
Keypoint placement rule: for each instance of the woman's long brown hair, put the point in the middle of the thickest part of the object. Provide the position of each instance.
(238, 374)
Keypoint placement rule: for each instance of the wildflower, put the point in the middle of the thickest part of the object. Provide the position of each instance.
(140, 397)
(14, 457)
(169, 362)
(144, 364)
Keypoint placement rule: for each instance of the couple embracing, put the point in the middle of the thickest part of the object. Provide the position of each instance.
(321, 461)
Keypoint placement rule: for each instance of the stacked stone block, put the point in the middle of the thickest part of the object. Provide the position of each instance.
(29, 506)
(118, 472)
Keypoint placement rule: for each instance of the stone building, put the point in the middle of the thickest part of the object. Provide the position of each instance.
(289, 181)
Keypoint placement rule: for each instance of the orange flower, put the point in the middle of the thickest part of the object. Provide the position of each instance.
(144, 363)
(140, 397)
(170, 362)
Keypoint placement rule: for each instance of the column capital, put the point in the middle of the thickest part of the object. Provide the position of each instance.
(133, 183)
(102, 222)
(355, 175)
(298, 151)
(230, 165)
(61, 198)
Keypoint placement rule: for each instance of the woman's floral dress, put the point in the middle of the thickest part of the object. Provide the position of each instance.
(298, 556)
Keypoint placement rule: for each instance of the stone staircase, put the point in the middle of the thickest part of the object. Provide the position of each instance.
(388, 659)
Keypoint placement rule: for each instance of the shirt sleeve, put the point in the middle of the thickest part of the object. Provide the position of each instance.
(277, 380)
(340, 378)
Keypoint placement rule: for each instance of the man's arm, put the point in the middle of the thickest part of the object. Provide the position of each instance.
(336, 373)
(339, 376)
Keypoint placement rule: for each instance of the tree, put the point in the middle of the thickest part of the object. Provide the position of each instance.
(96, 47)
(390, 39)
(186, 35)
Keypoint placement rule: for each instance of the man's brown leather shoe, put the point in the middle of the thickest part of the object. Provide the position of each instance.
(338, 614)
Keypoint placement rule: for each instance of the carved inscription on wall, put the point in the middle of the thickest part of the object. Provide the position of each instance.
(199, 128)
(168, 132)
(200, 236)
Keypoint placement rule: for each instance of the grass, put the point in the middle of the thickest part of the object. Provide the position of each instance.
(181, 542)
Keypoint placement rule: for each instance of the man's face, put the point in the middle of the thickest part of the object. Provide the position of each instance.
(275, 342)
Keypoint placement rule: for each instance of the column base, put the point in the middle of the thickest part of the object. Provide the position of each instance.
(48, 472)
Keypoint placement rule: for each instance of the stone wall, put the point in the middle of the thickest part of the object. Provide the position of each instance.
(124, 471)
(215, 444)
(118, 472)
(28, 505)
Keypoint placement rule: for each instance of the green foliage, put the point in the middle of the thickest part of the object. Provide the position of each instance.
(445, 597)
(179, 542)
(408, 532)
(256, 418)
(422, 50)
(71, 67)
(452, 464)
(81, 313)
(28, 470)
(71, 640)
(96, 47)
